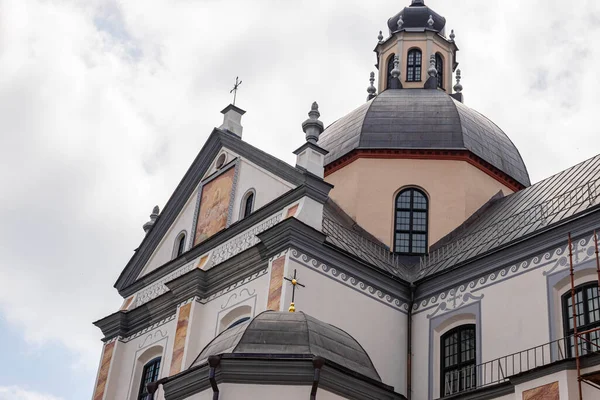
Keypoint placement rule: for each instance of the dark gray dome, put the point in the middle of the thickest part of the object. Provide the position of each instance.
(423, 119)
(293, 334)
(416, 17)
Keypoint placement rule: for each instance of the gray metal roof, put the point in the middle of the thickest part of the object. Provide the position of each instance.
(417, 16)
(422, 119)
(523, 213)
(293, 334)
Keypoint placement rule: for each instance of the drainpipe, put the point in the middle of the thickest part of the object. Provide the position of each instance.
(409, 344)
(213, 362)
(318, 363)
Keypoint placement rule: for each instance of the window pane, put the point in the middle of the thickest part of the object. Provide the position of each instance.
(403, 220)
(402, 242)
(419, 202)
(419, 243)
(404, 200)
(419, 221)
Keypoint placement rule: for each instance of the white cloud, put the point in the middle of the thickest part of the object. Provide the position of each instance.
(104, 104)
(17, 393)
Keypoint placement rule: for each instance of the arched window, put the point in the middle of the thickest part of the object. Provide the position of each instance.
(390, 67)
(588, 317)
(179, 245)
(411, 222)
(458, 360)
(150, 374)
(248, 204)
(413, 66)
(439, 66)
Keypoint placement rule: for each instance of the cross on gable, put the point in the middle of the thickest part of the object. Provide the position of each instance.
(294, 282)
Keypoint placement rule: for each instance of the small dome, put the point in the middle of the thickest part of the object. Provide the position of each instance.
(426, 120)
(293, 334)
(416, 17)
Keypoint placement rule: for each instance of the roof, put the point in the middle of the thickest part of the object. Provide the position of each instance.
(423, 119)
(276, 334)
(519, 215)
(417, 16)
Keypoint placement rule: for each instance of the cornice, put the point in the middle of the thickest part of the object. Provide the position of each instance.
(426, 154)
(256, 370)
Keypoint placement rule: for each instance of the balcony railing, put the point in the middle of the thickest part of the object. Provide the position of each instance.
(502, 369)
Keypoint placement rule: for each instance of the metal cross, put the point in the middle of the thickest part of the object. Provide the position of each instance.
(294, 282)
(235, 88)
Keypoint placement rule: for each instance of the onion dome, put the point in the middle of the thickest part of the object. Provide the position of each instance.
(417, 17)
(293, 335)
(422, 119)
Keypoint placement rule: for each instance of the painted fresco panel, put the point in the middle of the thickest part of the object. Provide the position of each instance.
(214, 206)
(104, 368)
(276, 284)
(546, 392)
(180, 336)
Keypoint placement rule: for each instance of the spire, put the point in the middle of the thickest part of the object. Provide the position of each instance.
(153, 217)
(432, 81)
(400, 22)
(430, 21)
(452, 35)
(312, 127)
(371, 89)
(380, 37)
(458, 87)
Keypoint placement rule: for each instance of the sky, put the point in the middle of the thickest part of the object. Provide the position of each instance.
(105, 103)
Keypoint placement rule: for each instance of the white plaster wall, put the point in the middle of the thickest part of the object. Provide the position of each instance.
(230, 391)
(206, 317)
(268, 187)
(380, 329)
(164, 251)
(122, 383)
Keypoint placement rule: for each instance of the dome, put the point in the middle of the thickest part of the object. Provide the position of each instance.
(423, 119)
(416, 17)
(277, 334)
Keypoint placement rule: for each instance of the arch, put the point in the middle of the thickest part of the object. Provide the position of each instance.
(179, 245)
(414, 64)
(143, 362)
(411, 221)
(235, 317)
(439, 66)
(587, 299)
(458, 360)
(390, 67)
(247, 204)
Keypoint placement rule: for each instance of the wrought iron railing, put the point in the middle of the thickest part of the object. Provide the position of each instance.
(502, 369)
(542, 214)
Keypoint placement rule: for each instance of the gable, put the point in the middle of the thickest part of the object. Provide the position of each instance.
(259, 171)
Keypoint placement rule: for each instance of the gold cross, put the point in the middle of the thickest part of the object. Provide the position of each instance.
(294, 282)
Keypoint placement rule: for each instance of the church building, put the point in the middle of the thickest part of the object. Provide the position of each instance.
(405, 255)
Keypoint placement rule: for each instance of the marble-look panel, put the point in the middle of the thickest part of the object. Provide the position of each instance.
(107, 355)
(546, 392)
(276, 284)
(180, 336)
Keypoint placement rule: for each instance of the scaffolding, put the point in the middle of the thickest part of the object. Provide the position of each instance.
(581, 338)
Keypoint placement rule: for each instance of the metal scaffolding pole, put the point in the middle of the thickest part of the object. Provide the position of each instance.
(575, 320)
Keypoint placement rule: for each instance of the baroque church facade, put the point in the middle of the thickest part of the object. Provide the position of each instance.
(393, 261)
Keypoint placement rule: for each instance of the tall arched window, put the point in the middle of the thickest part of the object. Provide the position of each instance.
(411, 222)
(439, 66)
(588, 317)
(179, 245)
(413, 65)
(390, 67)
(150, 374)
(458, 360)
(248, 204)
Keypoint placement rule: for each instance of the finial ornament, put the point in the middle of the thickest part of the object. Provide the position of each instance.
(430, 22)
(153, 217)
(236, 86)
(295, 283)
(458, 87)
(432, 71)
(312, 126)
(452, 35)
(371, 89)
(380, 37)
(396, 71)
(400, 22)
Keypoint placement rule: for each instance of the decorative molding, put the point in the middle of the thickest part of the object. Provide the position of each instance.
(158, 288)
(455, 300)
(148, 329)
(236, 285)
(235, 296)
(151, 336)
(350, 281)
(552, 261)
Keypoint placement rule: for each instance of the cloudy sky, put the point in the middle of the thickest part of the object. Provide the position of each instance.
(105, 103)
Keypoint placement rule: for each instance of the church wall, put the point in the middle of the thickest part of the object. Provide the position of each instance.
(379, 328)
(366, 190)
(267, 187)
